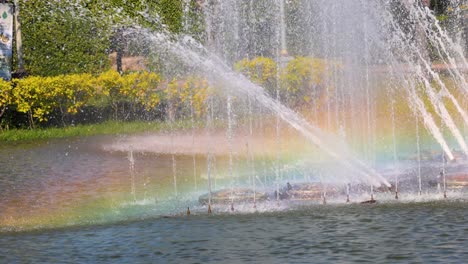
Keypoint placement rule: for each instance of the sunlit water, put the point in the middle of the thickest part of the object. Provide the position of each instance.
(75, 181)
(70, 200)
(391, 233)
(83, 181)
(74, 200)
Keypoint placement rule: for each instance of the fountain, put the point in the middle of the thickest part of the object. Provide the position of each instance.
(387, 46)
(391, 64)
(284, 130)
(131, 161)
(331, 102)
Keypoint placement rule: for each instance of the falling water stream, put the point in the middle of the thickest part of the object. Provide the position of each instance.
(230, 134)
(173, 157)
(416, 81)
(365, 51)
(395, 158)
(418, 149)
(192, 121)
(131, 161)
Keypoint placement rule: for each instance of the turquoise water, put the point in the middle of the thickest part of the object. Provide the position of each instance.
(433, 232)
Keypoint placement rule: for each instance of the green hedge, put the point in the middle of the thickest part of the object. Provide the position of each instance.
(69, 37)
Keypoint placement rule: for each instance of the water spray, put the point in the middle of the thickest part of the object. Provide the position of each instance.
(324, 194)
(209, 155)
(442, 173)
(230, 146)
(282, 49)
(192, 119)
(277, 194)
(347, 193)
(395, 157)
(419, 156)
(131, 161)
(174, 164)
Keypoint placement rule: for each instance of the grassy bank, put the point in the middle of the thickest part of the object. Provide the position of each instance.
(106, 128)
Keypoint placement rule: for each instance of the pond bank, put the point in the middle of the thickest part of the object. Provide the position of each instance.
(106, 128)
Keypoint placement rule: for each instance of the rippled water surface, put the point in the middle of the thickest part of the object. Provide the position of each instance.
(71, 201)
(408, 233)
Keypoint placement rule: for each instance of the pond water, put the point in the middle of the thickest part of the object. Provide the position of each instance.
(391, 233)
(75, 181)
(71, 200)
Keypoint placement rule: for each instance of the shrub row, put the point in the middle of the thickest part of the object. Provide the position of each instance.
(54, 100)
(301, 81)
(81, 98)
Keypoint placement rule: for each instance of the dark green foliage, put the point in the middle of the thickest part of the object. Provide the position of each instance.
(76, 36)
(194, 21)
(171, 13)
(259, 35)
(439, 6)
(297, 27)
(59, 39)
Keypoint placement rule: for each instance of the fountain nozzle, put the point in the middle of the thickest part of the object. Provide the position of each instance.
(209, 208)
(188, 210)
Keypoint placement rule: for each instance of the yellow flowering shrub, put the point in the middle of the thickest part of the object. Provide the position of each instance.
(191, 92)
(172, 94)
(260, 70)
(5, 96)
(134, 88)
(109, 84)
(75, 91)
(40, 96)
(142, 88)
(304, 78)
(33, 95)
(64, 95)
(195, 92)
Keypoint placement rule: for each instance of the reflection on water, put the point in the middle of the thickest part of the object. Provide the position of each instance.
(72, 200)
(70, 181)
